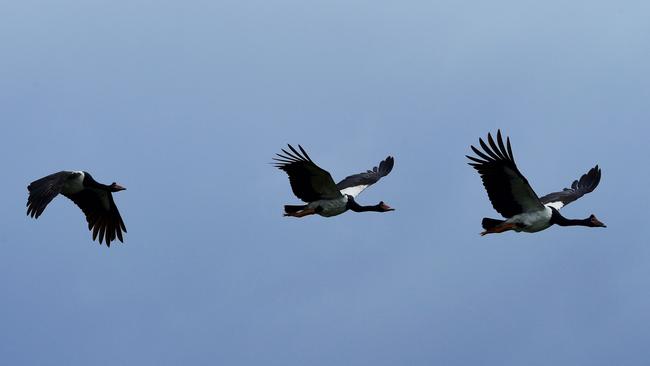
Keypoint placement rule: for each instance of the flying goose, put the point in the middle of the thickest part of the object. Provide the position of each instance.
(93, 198)
(316, 187)
(513, 197)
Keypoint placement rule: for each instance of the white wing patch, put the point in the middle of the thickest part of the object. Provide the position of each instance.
(556, 205)
(354, 191)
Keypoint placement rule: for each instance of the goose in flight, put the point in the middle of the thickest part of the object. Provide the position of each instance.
(512, 196)
(93, 198)
(316, 187)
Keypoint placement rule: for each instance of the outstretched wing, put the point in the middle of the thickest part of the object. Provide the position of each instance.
(103, 218)
(587, 183)
(507, 188)
(308, 181)
(355, 184)
(43, 191)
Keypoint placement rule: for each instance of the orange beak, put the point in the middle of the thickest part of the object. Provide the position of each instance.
(385, 207)
(598, 222)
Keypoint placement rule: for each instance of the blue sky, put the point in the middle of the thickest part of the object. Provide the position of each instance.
(185, 104)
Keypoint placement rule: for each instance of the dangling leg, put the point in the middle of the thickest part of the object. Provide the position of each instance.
(499, 228)
(303, 213)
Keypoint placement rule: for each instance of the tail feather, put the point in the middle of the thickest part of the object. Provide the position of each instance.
(294, 208)
(489, 223)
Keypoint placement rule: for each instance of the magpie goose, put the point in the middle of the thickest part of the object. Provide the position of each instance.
(316, 187)
(512, 196)
(93, 198)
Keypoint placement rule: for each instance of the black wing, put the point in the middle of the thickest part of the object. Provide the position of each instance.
(587, 183)
(43, 191)
(507, 188)
(308, 182)
(355, 184)
(103, 218)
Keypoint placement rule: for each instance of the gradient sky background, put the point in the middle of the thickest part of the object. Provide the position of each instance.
(186, 102)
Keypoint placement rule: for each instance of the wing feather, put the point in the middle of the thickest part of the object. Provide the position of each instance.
(104, 222)
(43, 191)
(508, 190)
(355, 184)
(308, 181)
(586, 184)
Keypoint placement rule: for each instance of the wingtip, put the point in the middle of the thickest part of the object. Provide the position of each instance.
(385, 167)
(390, 161)
(304, 152)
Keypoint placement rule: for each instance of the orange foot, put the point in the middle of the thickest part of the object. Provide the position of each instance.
(499, 229)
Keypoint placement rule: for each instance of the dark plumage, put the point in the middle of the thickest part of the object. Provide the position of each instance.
(508, 189)
(316, 187)
(308, 181)
(513, 197)
(586, 184)
(368, 178)
(94, 199)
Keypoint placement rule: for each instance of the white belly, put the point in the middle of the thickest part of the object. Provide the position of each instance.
(532, 222)
(330, 208)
